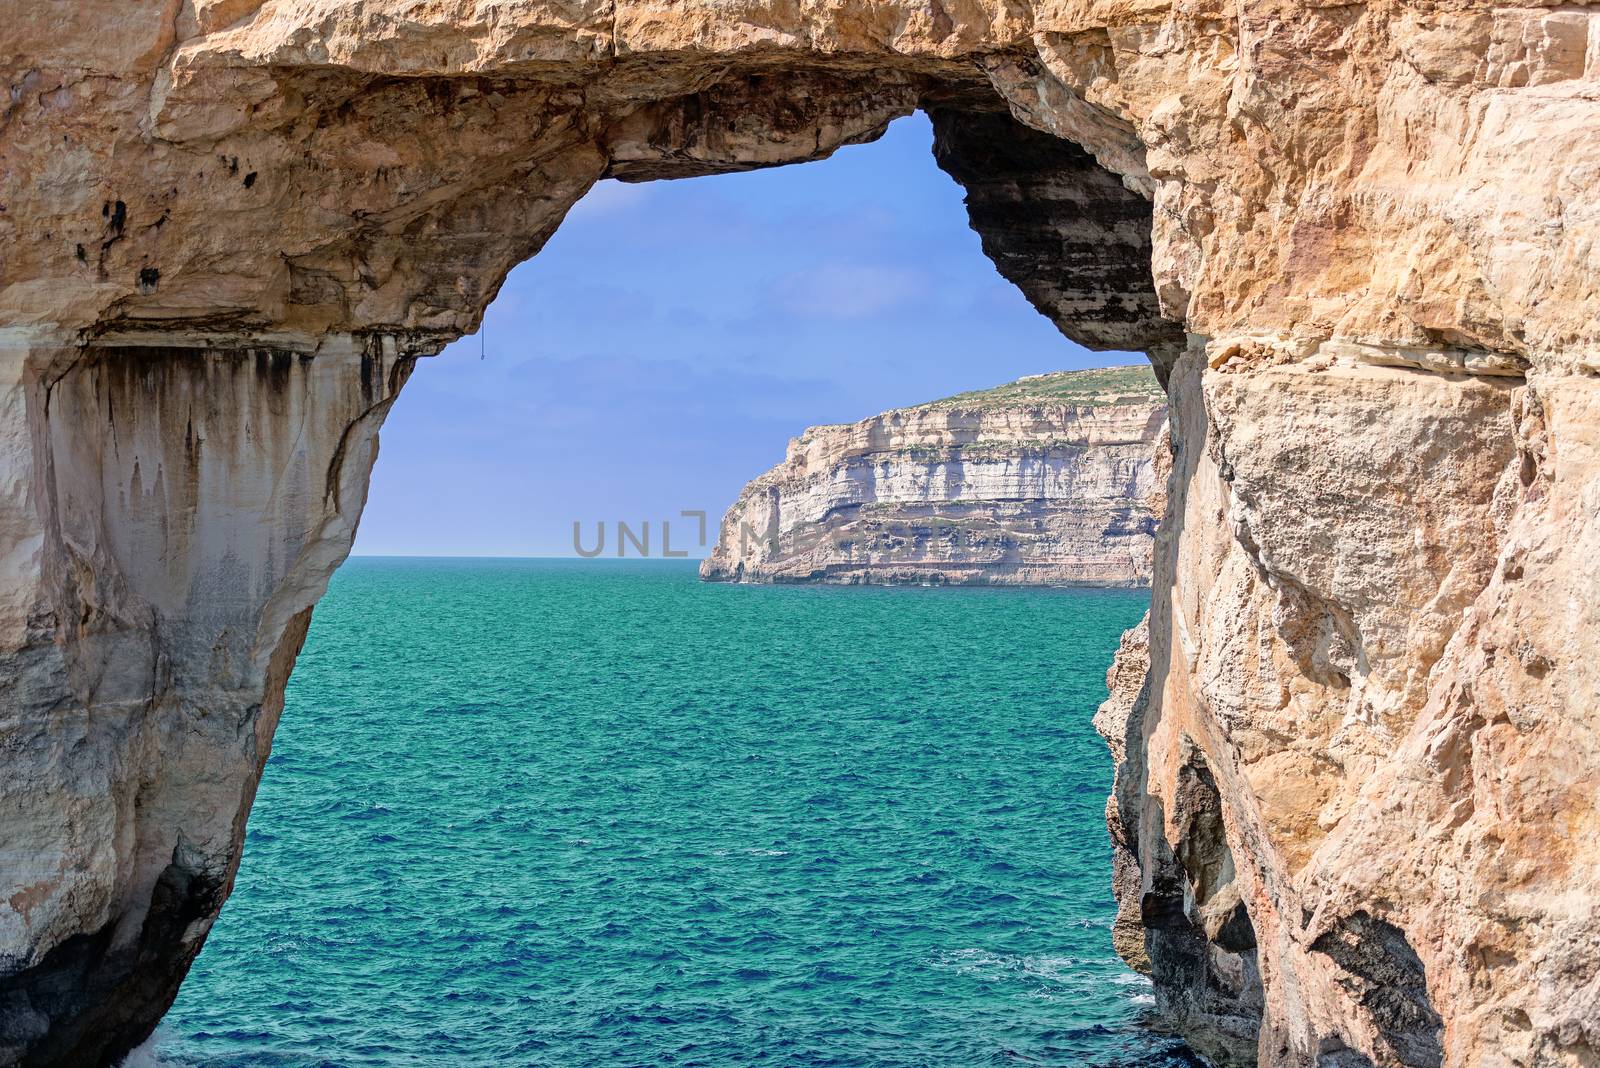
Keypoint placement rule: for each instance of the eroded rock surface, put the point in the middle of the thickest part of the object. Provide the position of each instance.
(1360, 791)
(1045, 481)
(173, 514)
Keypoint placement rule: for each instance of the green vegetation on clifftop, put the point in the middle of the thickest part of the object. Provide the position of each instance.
(1093, 388)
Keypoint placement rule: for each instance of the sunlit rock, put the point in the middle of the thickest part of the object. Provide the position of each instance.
(1372, 715)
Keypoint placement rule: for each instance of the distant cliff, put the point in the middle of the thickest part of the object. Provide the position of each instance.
(1046, 481)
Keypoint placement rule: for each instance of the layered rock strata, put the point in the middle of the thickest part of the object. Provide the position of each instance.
(1047, 481)
(1358, 241)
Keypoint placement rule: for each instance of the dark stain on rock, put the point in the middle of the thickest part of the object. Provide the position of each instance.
(116, 221)
(275, 366)
(1333, 1053)
(1197, 933)
(250, 179)
(95, 996)
(313, 286)
(149, 277)
(1386, 977)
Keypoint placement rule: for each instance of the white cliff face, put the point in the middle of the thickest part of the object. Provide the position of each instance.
(1019, 492)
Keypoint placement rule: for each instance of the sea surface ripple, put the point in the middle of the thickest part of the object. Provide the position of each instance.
(578, 813)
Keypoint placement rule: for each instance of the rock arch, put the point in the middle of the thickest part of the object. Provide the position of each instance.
(1357, 240)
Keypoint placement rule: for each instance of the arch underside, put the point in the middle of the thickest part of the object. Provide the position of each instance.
(203, 444)
(478, 172)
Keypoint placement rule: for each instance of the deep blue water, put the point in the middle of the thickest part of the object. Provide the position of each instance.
(552, 813)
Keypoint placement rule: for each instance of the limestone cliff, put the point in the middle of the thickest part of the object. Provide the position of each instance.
(1358, 802)
(1046, 481)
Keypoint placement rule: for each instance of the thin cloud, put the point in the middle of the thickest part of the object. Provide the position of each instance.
(848, 290)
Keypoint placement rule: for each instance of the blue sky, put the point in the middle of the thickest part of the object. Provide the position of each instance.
(673, 336)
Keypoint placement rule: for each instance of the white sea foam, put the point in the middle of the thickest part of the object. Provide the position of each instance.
(982, 961)
(145, 1056)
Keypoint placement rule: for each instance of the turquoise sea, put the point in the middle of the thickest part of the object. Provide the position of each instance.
(580, 813)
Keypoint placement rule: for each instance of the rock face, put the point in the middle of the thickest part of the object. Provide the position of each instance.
(1359, 798)
(1046, 481)
(189, 506)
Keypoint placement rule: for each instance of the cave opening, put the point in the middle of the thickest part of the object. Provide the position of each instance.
(672, 336)
(244, 412)
(749, 307)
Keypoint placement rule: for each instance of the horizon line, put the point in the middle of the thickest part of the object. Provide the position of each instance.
(501, 556)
